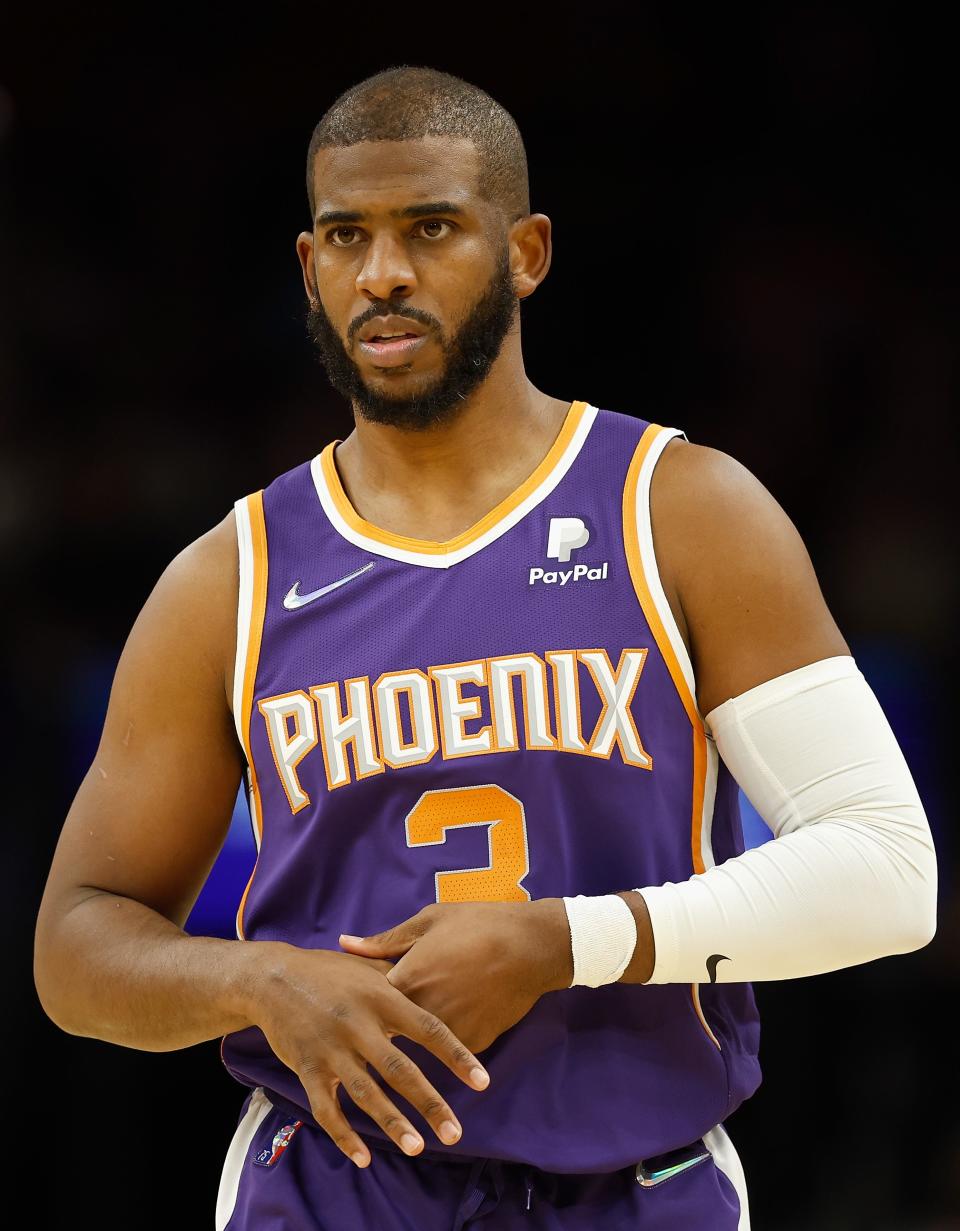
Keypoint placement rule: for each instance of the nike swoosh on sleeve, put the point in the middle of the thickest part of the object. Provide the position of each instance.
(713, 961)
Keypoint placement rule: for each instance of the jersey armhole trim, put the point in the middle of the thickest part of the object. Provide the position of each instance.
(643, 563)
(251, 609)
(645, 575)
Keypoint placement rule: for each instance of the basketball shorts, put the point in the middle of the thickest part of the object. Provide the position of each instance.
(283, 1173)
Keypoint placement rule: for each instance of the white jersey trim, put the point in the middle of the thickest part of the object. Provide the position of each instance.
(709, 800)
(230, 1177)
(244, 612)
(446, 559)
(727, 1160)
(648, 557)
(651, 572)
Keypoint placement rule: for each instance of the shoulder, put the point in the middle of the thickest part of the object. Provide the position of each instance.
(204, 576)
(195, 599)
(704, 501)
(735, 572)
(212, 559)
(692, 479)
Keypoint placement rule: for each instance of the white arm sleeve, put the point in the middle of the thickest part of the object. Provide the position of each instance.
(852, 874)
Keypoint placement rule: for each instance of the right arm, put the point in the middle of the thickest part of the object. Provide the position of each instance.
(111, 958)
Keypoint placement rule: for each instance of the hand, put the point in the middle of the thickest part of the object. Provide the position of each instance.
(479, 966)
(327, 1015)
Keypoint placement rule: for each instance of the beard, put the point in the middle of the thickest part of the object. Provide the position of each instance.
(468, 355)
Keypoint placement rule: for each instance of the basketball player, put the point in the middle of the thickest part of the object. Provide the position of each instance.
(493, 667)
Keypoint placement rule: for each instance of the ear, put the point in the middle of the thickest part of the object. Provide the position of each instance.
(305, 255)
(531, 251)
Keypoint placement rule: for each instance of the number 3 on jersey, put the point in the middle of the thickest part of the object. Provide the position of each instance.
(437, 811)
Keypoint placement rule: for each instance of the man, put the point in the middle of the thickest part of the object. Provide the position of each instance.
(493, 667)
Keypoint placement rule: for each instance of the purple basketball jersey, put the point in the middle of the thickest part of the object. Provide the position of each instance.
(506, 716)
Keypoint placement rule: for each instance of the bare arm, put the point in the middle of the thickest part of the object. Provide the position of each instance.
(111, 959)
(736, 573)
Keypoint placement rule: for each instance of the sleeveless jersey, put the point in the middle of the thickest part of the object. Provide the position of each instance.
(506, 716)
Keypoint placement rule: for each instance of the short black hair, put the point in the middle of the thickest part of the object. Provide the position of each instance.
(408, 102)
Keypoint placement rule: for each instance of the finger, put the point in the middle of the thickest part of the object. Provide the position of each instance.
(326, 1110)
(437, 1037)
(395, 940)
(391, 943)
(400, 1072)
(369, 1097)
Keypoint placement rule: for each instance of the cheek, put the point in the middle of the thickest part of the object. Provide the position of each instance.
(338, 299)
(337, 276)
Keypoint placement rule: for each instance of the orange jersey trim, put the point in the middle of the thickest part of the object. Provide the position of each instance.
(258, 538)
(496, 515)
(649, 608)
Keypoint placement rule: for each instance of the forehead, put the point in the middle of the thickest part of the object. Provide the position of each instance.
(381, 174)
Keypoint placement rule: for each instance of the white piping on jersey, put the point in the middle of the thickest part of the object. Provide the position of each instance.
(244, 611)
(446, 559)
(709, 799)
(648, 560)
(727, 1161)
(648, 557)
(236, 1159)
(244, 624)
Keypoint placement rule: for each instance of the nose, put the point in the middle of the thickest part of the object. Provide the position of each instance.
(387, 271)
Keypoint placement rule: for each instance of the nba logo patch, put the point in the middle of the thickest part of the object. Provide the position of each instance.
(267, 1157)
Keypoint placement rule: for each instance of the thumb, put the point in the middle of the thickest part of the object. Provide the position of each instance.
(391, 943)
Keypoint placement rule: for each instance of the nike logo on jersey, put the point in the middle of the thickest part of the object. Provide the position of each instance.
(713, 961)
(295, 599)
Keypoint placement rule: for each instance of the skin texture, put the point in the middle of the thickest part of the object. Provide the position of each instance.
(111, 959)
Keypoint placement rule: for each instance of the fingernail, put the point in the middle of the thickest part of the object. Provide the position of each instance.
(449, 1132)
(359, 1159)
(410, 1143)
(480, 1076)
(347, 936)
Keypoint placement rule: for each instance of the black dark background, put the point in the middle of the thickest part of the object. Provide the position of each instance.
(754, 224)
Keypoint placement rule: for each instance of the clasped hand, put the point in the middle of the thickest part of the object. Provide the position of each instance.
(478, 966)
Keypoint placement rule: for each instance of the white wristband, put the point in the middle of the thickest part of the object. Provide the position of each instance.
(603, 936)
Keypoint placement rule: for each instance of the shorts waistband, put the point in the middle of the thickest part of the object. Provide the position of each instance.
(376, 1143)
(386, 1145)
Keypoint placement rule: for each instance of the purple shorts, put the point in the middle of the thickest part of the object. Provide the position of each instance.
(285, 1174)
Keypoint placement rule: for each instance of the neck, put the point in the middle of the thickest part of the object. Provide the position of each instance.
(504, 427)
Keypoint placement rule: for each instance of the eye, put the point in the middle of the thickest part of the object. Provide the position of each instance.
(336, 235)
(433, 223)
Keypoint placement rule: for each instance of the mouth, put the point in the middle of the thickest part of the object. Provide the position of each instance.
(392, 350)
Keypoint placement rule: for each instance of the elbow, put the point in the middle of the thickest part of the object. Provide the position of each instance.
(921, 927)
(49, 979)
(46, 994)
(917, 914)
(45, 983)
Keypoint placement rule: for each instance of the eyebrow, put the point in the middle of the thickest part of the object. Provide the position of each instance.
(409, 211)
